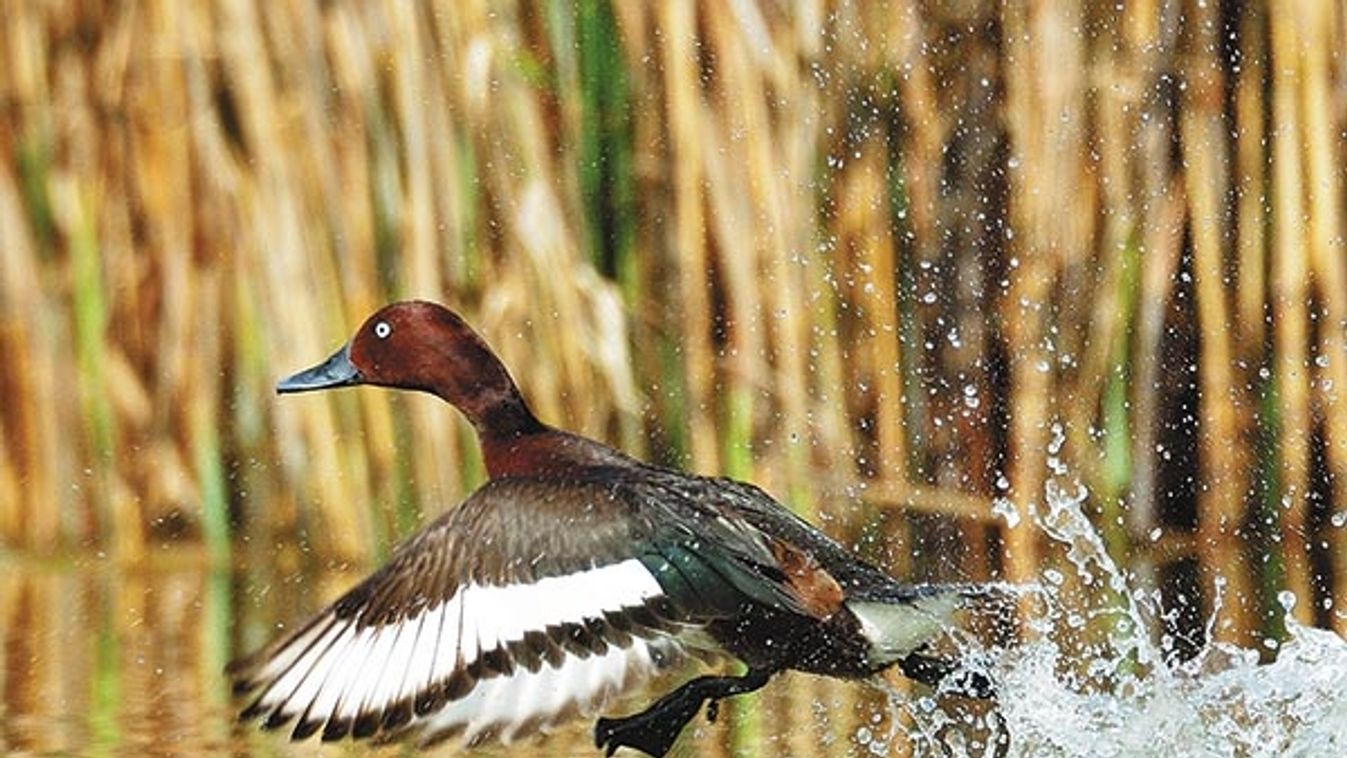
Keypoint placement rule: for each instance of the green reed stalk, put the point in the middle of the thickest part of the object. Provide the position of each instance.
(214, 492)
(605, 150)
(89, 313)
(106, 697)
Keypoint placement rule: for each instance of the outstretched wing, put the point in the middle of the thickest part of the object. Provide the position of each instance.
(527, 605)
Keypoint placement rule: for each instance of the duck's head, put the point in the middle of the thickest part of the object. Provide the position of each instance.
(418, 345)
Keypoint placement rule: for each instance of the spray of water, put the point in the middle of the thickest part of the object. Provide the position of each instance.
(1131, 695)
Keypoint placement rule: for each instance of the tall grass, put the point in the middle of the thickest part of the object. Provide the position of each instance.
(913, 255)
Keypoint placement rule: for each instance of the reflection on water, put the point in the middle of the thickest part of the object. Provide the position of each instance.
(103, 659)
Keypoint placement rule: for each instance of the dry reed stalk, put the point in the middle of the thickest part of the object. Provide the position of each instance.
(71, 213)
(924, 136)
(412, 80)
(1163, 244)
(869, 233)
(1329, 271)
(1250, 168)
(922, 143)
(1149, 46)
(677, 34)
(1221, 511)
(29, 447)
(784, 301)
(160, 169)
(796, 701)
(405, 166)
(272, 209)
(653, 263)
(932, 500)
(834, 448)
(1290, 305)
(29, 328)
(1042, 114)
(739, 180)
(784, 164)
(732, 243)
(861, 234)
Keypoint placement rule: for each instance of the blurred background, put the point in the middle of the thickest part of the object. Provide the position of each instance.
(904, 264)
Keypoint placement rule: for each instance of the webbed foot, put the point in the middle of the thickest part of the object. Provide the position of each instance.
(653, 730)
(650, 731)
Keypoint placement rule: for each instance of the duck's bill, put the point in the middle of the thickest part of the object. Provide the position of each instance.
(337, 371)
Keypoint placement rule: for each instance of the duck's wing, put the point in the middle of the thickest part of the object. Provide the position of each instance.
(742, 538)
(713, 560)
(530, 603)
(780, 526)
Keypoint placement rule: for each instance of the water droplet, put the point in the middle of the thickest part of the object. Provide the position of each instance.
(1287, 600)
(1007, 511)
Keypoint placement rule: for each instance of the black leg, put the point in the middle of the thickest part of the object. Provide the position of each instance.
(654, 729)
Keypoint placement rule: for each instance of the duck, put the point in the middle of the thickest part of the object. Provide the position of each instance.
(574, 575)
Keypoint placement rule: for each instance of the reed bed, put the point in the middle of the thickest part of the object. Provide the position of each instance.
(902, 263)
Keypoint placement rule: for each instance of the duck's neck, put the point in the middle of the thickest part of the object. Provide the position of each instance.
(508, 418)
(543, 451)
(466, 374)
(508, 432)
(513, 441)
(527, 453)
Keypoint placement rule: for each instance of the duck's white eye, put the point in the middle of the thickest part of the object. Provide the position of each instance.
(382, 330)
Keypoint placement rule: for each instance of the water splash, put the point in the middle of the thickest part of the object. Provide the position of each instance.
(1129, 695)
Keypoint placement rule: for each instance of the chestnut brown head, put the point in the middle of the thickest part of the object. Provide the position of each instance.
(423, 346)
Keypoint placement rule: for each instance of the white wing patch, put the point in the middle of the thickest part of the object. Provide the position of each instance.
(334, 674)
(510, 707)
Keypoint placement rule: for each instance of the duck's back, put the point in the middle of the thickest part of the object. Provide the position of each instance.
(768, 587)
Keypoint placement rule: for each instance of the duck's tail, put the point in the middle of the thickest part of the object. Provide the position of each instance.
(979, 597)
(901, 622)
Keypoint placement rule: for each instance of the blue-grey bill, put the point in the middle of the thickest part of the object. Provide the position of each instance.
(336, 371)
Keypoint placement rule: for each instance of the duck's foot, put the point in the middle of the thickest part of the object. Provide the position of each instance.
(653, 730)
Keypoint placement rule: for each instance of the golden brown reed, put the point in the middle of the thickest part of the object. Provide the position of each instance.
(855, 251)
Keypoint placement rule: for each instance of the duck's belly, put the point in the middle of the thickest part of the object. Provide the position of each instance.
(776, 641)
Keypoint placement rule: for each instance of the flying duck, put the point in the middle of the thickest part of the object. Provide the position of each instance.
(576, 573)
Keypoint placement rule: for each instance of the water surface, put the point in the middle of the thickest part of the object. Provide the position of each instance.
(101, 658)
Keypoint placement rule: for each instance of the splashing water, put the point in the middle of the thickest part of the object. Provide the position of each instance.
(1127, 695)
